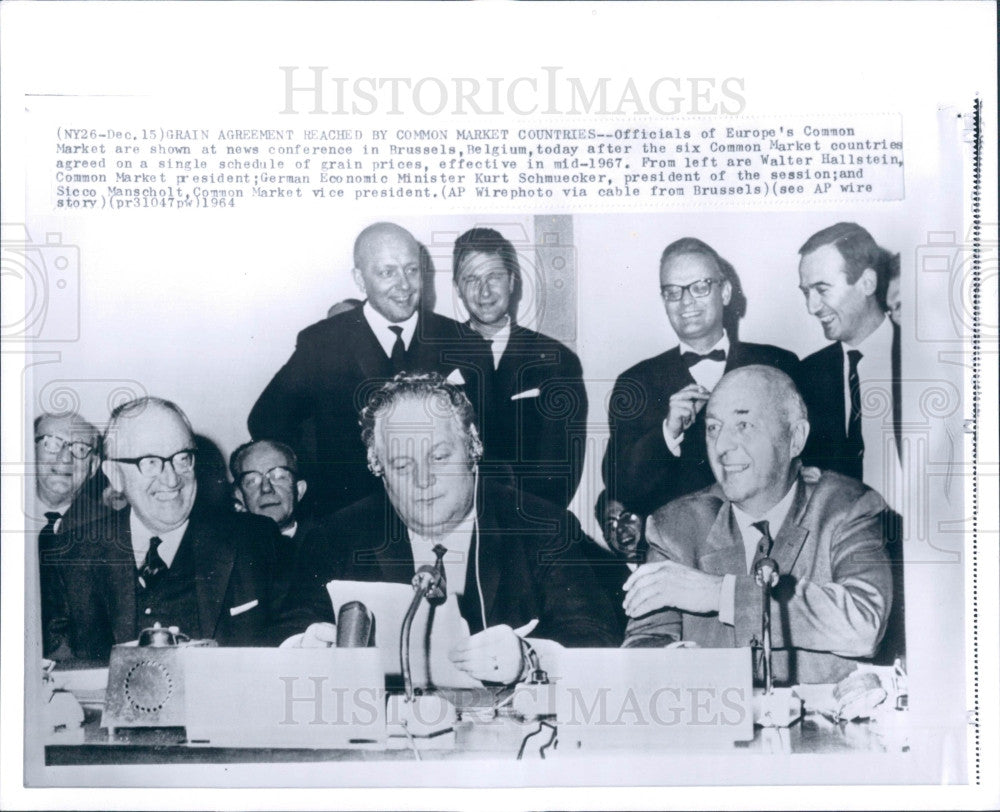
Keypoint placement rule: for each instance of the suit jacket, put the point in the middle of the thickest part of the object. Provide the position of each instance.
(233, 559)
(529, 567)
(322, 388)
(834, 595)
(639, 470)
(821, 382)
(537, 409)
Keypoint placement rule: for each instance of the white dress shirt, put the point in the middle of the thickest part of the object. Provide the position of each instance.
(386, 337)
(498, 341)
(775, 518)
(169, 541)
(458, 543)
(705, 373)
(880, 464)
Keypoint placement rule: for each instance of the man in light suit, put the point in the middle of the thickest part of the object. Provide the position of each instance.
(512, 563)
(656, 450)
(339, 361)
(163, 559)
(539, 403)
(824, 530)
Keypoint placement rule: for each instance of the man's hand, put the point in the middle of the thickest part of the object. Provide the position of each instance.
(493, 655)
(667, 583)
(684, 407)
(318, 635)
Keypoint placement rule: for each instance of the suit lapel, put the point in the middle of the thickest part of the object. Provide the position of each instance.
(395, 558)
(214, 556)
(676, 370)
(724, 551)
(370, 357)
(122, 573)
(488, 548)
(792, 535)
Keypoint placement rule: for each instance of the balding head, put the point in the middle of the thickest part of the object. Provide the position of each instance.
(150, 459)
(756, 427)
(387, 270)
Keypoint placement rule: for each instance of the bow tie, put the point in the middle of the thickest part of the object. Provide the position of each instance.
(691, 358)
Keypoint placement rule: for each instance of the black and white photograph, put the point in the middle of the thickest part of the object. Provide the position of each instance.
(502, 424)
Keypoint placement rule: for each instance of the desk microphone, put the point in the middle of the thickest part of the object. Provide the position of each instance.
(428, 582)
(765, 573)
(355, 626)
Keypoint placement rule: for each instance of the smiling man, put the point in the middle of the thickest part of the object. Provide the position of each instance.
(312, 402)
(539, 403)
(853, 386)
(161, 559)
(824, 530)
(656, 449)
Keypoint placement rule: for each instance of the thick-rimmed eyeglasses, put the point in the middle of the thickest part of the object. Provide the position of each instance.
(279, 476)
(54, 445)
(698, 289)
(151, 465)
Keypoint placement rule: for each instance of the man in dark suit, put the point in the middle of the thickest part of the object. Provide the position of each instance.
(67, 494)
(824, 531)
(161, 559)
(535, 421)
(511, 565)
(656, 450)
(266, 482)
(339, 361)
(851, 387)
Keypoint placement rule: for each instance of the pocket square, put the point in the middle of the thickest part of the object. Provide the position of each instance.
(527, 393)
(245, 607)
(456, 378)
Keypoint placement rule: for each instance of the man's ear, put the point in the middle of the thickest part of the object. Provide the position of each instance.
(799, 434)
(301, 487)
(359, 280)
(113, 474)
(727, 292)
(868, 281)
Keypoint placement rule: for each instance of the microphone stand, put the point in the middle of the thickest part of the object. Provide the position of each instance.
(765, 573)
(428, 582)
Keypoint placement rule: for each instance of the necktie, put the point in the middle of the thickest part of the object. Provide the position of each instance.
(153, 566)
(691, 358)
(398, 355)
(854, 438)
(766, 542)
(47, 534)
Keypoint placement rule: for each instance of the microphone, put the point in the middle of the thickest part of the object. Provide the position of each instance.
(355, 626)
(765, 573)
(430, 582)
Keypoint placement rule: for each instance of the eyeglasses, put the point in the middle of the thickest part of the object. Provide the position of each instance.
(54, 445)
(699, 289)
(152, 465)
(277, 476)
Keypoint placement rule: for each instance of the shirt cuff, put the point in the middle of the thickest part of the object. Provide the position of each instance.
(727, 600)
(673, 443)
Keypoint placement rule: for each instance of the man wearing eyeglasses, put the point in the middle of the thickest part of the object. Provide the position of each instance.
(656, 451)
(66, 459)
(162, 559)
(266, 483)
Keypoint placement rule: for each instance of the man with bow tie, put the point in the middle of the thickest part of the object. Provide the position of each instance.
(656, 450)
(823, 530)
